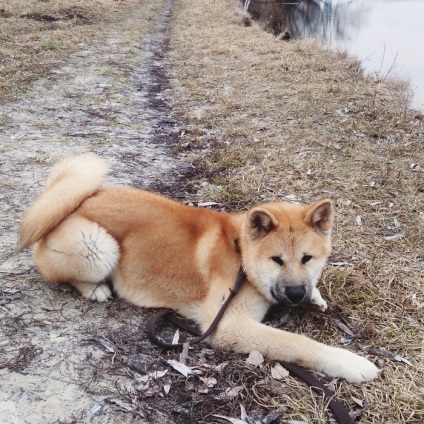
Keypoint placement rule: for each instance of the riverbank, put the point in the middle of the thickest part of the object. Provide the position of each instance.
(270, 120)
(384, 36)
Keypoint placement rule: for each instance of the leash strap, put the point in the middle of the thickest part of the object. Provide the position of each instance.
(151, 323)
(341, 414)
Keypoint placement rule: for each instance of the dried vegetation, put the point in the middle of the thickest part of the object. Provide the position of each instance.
(270, 120)
(265, 120)
(36, 34)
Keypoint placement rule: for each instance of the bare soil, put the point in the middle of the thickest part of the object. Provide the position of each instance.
(200, 103)
(103, 98)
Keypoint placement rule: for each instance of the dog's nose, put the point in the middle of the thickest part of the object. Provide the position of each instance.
(295, 294)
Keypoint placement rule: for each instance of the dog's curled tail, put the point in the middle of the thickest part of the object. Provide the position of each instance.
(69, 183)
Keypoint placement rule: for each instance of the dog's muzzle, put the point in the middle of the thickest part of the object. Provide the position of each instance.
(290, 295)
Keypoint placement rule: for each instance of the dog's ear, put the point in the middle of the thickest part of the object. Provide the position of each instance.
(320, 215)
(260, 222)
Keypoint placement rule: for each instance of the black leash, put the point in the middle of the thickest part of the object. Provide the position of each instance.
(170, 315)
(341, 414)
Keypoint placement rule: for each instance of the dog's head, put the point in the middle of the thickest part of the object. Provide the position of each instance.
(284, 248)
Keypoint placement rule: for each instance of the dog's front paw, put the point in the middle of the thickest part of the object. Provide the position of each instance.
(353, 368)
(321, 303)
(317, 299)
(101, 293)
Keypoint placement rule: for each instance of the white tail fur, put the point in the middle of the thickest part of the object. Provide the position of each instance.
(69, 183)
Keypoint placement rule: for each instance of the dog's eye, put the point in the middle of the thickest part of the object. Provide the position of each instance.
(306, 258)
(278, 260)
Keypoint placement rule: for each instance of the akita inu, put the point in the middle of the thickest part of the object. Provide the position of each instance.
(160, 253)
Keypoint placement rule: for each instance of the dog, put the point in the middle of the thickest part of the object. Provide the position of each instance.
(161, 253)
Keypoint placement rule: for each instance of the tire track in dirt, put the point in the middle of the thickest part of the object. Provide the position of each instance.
(107, 99)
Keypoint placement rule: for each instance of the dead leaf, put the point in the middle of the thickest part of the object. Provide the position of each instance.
(220, 367)
(96, 409)
(143, 387)
(269, 419)
(342, 326)
(184, 353)
(231, 392)
(345, 341)
(399, 358)
(176, 337)
(231, 420)
(157, 374)
(279, 372)
(394, 237)
(243, 413)
(332, 385)
(181, 410)
(255, 358)
(180, 367)
(344, 202)
(207, 204)
(385, 352)
(340, 264)
(106, 345)
(411, 320)
(125, 407)
(143, 379)
(129, 386)
(416, 303)
(359, 402)
(141, 362)
(209, 381)
(291, 197)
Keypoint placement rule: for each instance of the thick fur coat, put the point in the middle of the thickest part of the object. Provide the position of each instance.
(161, 253)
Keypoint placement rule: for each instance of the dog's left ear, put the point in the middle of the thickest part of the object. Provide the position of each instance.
(320, 215)
(260, 222)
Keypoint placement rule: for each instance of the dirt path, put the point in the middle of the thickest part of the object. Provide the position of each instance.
(107, 98)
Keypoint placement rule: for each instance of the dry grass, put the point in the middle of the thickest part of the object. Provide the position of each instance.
(272, 120)
(35, 34)
(275, 120)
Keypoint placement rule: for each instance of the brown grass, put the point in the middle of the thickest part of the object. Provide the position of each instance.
(275, 120)
(35, 35)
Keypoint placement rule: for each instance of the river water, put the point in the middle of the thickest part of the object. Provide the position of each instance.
(386, 35)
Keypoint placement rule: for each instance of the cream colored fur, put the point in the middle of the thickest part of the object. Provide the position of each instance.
(69, 183)
(160, 253)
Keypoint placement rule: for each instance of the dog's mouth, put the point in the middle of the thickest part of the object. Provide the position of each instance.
(279, 297)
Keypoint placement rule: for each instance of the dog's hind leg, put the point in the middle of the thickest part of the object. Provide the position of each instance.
(94, 291)
(81, 253)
